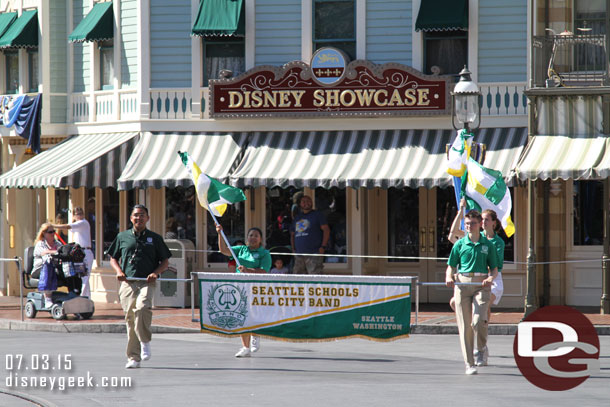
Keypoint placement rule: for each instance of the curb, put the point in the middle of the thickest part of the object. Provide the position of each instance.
(94, 328)
(113, 328)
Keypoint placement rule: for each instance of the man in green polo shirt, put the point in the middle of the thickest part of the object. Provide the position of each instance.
(475, 260)
(138, 253)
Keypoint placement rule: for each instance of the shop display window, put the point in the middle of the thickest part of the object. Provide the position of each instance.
(233, 223)
(403, 221)
(588, 213)
(332, 202)
(180, 221)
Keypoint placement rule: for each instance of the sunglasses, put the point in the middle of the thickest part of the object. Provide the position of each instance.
(50, 231)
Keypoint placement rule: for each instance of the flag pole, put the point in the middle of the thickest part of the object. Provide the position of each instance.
(222, 232)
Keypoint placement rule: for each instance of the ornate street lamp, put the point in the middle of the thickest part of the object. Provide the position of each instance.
(465, 102)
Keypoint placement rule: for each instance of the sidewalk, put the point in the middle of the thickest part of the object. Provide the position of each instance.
(108, 318)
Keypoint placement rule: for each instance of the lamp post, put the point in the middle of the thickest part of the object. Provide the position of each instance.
(465, 104)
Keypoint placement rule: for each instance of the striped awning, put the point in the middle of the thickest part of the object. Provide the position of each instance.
(602, 170)
(383, 158)
(155, 162)
(88, 160)
(562, 157)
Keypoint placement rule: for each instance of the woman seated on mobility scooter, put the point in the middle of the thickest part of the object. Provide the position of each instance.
(43, 268)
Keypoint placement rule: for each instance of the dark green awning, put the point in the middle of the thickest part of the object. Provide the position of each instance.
(23, 33)
(6, 19)
(98, 25)
(220, 18)
(442, 15)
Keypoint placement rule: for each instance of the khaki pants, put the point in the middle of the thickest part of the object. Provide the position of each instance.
(469, 322)
(308, 265)
(136, 300)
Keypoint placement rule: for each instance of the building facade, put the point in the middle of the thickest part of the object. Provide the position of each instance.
(128, 88)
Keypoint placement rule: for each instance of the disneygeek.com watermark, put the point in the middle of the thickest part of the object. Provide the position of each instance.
(557, 348)
(54, 372)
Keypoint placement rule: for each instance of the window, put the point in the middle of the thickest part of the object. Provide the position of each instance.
(12, 72)
(90, 215)
(180, 206)
(588, 213)
(447, 50)
(33, 70)
(403, 223)
(279, 209)
(61, 211)
(110, 217)
(106, 64)
(334, 25)
(332, 203)
(226, 53)
(590, 17)
(233, 223)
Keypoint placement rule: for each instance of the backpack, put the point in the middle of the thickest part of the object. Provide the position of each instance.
(71, 252)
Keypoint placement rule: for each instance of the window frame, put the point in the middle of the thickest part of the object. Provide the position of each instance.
(7, 55)
(315, 42)
(33, 79)
(426, 39)
(104, 46)
(219, 41)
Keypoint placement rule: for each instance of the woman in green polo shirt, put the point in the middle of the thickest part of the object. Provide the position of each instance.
(253, 258)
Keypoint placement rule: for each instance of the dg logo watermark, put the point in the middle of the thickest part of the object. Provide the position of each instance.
(556, 348)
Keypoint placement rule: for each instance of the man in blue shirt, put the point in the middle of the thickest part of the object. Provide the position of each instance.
(309, 234)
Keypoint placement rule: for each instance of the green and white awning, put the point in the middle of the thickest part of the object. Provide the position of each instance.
(155, 161)
(380, 158)
(88, 160)
(220, 18)
(98, 25)
(23, 32)
(562, 157)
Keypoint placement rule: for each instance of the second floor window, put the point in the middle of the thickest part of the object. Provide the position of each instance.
(12, 72)
(33, 70)
(219, 54)
(447, 50)
(106, 64)
(334, 25)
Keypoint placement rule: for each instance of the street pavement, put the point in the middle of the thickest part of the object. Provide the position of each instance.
(188, 369)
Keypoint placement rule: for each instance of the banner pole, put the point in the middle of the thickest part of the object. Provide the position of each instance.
(222, 232)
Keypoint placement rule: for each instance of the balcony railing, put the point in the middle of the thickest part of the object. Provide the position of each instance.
(104, 106)
(570, 60)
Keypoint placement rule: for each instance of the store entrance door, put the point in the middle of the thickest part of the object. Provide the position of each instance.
(418, 225)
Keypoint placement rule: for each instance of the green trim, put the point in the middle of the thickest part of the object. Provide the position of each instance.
(220, 18)
(302, 282)
(23, 33)
(98, 25)
(6, 19)
(442, 15)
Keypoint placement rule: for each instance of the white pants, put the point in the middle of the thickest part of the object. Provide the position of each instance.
(85, 291)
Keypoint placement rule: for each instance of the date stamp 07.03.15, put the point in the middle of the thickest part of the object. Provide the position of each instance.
(53, 372)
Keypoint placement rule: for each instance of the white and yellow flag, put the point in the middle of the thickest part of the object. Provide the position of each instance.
(459, 152)
(213, 194)
(484, 188)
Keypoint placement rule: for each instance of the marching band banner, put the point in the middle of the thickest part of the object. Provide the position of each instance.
(305, 308)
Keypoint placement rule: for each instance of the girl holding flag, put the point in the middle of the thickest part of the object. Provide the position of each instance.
(253, 258)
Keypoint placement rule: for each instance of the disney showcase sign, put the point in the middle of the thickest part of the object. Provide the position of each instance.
(330, 87)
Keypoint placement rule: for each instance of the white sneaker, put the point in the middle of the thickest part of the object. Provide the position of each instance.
(243, 353)
(255, 343)
(470, 370)
(482, 357)
(132, 364)
(146, 351)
